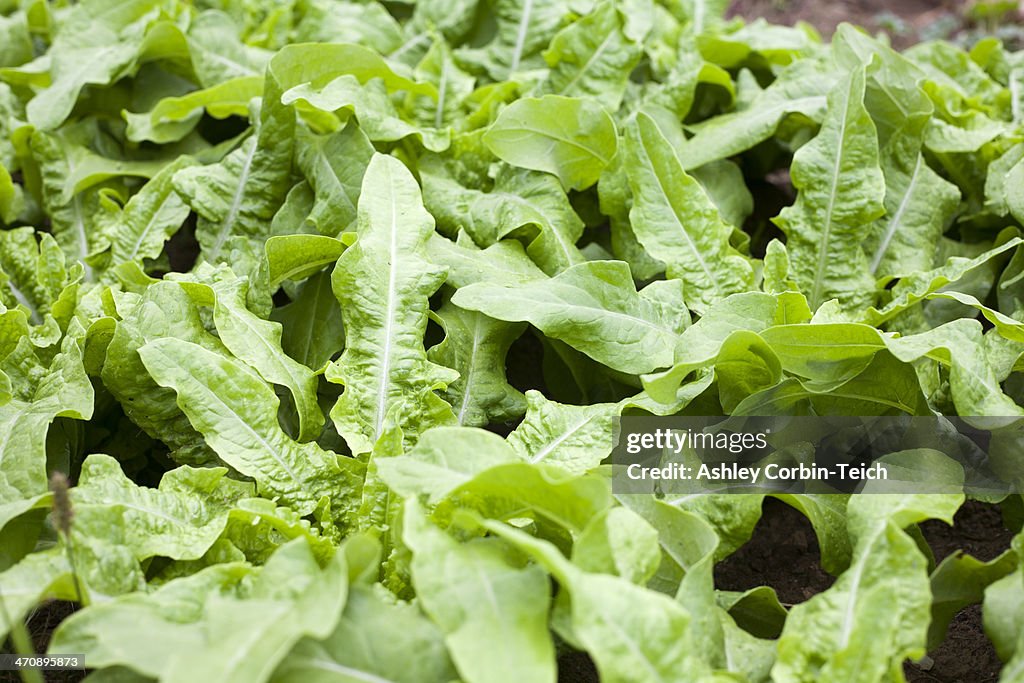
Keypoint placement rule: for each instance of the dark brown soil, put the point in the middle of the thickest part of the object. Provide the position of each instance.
(978, 530)
(41, 625)
(966, 654)
(576, 667)
(183, 249)
(783, 553)
(907, 21)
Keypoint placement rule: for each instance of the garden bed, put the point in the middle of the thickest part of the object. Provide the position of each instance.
(332, 332)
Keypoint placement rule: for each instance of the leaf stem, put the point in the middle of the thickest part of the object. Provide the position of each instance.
(22, 642)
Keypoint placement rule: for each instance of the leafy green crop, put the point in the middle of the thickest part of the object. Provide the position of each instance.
(328, 310)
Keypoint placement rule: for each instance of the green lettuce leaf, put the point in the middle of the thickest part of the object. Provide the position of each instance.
(236, 412)
(565, 136)
(675, 221)
(626, 629)
(830, 633)
(592, 57)
(181, 519)
(841, 188)
(383, 283)
(175, 632)
(478, 595)
(476, 346)
(594, 308)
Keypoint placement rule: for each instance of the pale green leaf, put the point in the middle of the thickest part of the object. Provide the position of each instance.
(677, 223)
(312, 331)
(478, 595)
(565, 136)
(149, 218)
(592, 57)
(372, 644)
(236, 411)
(840, 191)
(594, 308)
(334, 166)
(383, 284)
(631, 633)
(181, 519)
(476, 346)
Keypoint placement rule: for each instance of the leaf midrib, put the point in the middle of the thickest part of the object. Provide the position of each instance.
(890, 229)
(236, 201)
(826, 236)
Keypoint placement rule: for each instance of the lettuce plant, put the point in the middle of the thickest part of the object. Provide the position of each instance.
(328, 310)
